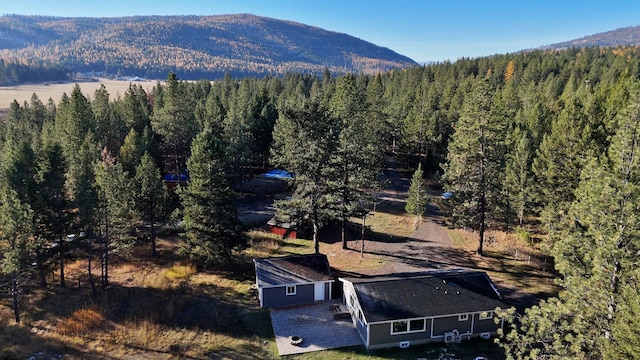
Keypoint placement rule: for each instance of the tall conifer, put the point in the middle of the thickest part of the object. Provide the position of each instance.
(475, 164)
(418, 197)
(211, 225)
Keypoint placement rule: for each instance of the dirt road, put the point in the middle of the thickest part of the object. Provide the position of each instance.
(428, 248)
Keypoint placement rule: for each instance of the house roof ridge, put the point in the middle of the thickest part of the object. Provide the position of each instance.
(384, 298)
(311, 274)
(289, 257)
(414, 275)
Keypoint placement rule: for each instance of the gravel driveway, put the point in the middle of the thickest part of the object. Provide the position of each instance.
(428, 248)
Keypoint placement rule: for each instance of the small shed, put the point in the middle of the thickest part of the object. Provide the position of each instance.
(448, 306)
(287, 230)
(293, 280)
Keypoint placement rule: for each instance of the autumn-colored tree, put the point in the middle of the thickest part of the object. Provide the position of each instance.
(509, 71)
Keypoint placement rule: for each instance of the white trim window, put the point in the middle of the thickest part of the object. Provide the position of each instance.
(408, 326)
(417, 325)
(291, 290)
(485, 315)
(399, 327)
(463, 317)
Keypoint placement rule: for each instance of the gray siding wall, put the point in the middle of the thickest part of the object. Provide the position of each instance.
(442, 325)
(277, 296)
(486, 325)
(381, 335)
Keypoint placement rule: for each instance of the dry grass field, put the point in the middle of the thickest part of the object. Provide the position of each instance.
(54, 91)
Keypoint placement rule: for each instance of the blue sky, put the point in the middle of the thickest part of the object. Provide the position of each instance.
(424, 30)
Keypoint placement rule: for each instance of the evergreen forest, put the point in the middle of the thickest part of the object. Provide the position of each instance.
(544, 139)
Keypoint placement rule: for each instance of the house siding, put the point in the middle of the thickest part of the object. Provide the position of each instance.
(485, 325)
(380, 333)
(274, 297)
(446, 324)
(380, 336)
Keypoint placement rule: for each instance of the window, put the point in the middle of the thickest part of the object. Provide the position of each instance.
(485, 315)
(463, 317)
(399, 327)
(402, 327)
(416, 325)
(291, 290)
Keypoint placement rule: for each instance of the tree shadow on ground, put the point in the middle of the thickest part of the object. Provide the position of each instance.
(26, 342)
(219, 302)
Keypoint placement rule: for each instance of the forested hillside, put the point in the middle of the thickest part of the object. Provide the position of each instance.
(194, 47)
(543, 141)
(629, 36)
(13, 72)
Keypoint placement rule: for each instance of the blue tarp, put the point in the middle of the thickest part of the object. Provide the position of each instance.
(176, 177)
(279, 174)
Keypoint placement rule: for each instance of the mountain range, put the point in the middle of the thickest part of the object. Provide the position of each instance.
(191, 46)
(628, 36)
(196, 47)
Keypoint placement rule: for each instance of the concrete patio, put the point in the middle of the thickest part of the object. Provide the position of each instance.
(315, 324)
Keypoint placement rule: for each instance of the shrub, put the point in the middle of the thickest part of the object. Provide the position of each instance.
(81, 322)
(180, 272)
(523, 234)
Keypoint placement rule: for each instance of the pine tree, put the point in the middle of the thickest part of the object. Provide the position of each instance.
(595, 249)
(305, 141)
(114, 210)
(131, 152)
(418, 198)
(559, 160)
(74, 119)
(518, 174)
(15, 229)
(110, 126)
(237, 136)
(84, 195)
(211, 225)
(52, 205)
(174, 120)
(358, 157)
(150, 195)
(135, 108)
(475, 163)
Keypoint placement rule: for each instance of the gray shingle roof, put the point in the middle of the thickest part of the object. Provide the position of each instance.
(292, 270)
(426, 295)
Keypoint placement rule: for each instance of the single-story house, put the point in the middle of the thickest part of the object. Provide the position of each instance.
(448, 306)
(293, 280)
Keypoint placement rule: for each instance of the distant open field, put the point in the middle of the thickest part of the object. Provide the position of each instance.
(23, 93)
